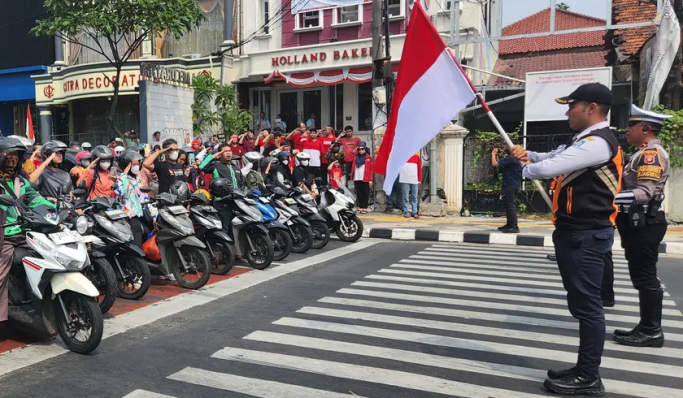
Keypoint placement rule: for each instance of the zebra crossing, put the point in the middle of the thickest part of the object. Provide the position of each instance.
(450, 320)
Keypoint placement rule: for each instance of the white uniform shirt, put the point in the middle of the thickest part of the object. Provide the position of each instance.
(583, 153)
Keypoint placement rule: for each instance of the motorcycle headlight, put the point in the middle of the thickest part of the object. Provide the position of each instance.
(177, 224)
(210, 222)
(82, 225)
(66, 261)
(111, 228)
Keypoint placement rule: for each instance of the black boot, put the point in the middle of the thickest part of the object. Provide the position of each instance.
(624, 332)
(558, 374)
(649, 332)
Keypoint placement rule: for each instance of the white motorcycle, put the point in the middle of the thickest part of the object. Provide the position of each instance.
(47, 291)
(338, 208)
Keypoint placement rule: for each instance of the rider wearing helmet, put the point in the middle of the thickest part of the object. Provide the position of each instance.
(52, 181)
(283, 175)
(86, 146)
(128, 191)
(75, 145)
(300, 175)
(96, 175)
(253, 178)
(83, 160)
(11, 153)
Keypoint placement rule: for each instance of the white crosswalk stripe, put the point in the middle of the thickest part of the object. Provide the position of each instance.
(451, 320)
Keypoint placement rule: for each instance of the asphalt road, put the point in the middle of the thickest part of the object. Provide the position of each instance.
(412, 320)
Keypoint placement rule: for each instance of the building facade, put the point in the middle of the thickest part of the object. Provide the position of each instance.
(318, 64)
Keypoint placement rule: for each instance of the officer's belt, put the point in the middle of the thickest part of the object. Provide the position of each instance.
(625, 208)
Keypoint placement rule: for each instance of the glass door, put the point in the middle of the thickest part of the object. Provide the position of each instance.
(312, 108)
(260, 103)
(336, 117)
(289, 109)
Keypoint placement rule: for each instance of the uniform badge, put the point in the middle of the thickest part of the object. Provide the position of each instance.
(649, 158)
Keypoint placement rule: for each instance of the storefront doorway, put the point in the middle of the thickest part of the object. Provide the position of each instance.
(298, 106)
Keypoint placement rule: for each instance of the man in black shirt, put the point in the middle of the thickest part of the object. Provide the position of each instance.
(512, 180)
(168, 171)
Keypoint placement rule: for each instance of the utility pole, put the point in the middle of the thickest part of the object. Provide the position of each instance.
(671, 92)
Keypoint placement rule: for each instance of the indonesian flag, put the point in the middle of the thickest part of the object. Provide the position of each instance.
(30, 133)
(431, 88)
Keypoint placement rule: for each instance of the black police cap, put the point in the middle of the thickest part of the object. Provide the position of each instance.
(592, 92)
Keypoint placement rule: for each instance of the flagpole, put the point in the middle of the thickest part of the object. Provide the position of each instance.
(500, 128)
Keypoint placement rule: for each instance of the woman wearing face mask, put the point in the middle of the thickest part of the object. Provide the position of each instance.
(83, 160)
(96, 175)
(128, 191)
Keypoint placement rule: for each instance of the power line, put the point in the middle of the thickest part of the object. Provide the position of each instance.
(25, 19)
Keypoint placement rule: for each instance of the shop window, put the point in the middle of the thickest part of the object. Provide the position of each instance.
(266, 17)
(347, 15)
(337, 107)
(365, 107)
(309, 20)
(396, 8)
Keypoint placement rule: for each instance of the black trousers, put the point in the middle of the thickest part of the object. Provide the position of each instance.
(362, 193)
(641, 247)
(608, 279)
(581, 256)
(225, 212)
(315, 170)
(324, 172)
(139, 231)
(510, 203)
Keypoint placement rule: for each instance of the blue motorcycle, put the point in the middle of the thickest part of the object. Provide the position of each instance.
(278, 232)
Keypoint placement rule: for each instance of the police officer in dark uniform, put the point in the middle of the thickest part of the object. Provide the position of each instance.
(589, 175)
(642, 224)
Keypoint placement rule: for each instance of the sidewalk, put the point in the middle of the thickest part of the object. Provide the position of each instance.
(482, 230)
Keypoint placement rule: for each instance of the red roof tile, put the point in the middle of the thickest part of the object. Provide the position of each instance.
(632, 11)
(540, 22)
(518, 66)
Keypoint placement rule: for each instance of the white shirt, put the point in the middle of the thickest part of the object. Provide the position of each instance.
(581, 154)
(359, 173)
(408, 174)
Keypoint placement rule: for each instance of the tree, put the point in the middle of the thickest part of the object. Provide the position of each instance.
(109, 22)
(562, 6)
(208, 94)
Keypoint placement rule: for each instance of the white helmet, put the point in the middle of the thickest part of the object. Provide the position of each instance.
(119, 150)
(252, 157)
(86, 146)
(303, 156)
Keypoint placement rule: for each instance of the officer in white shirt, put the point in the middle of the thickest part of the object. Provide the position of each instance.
(589, 175)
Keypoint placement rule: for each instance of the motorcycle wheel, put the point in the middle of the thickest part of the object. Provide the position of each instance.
(262, 255)
(303, 238)
(321, 234)
(198, 268)
(350, 229)
(282, 243)
(137, 280)
(223, 256)
(102, 275)
(82, 329)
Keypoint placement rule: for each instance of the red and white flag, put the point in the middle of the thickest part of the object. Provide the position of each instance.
(30, 133)
(430, 89)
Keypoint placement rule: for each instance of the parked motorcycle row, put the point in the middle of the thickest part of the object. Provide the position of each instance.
(81, 256)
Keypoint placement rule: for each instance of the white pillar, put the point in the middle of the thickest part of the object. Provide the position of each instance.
(454, 140)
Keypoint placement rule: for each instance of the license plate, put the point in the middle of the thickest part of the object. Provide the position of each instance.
(306, 197)
(177, 210)
(115, 214)
(61, 238)
(264, 200)
(290, 201)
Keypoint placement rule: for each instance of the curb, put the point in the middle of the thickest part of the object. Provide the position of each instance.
(487, 238)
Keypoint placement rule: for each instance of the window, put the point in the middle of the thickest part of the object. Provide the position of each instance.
(266, 18)
(337, 107)
(447, 4)
(309, 20)
(348, 14)
(365, 106)
(395, 8)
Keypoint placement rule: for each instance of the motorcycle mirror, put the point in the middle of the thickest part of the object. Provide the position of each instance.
(6, 200)
(79, 192)
(145, 189)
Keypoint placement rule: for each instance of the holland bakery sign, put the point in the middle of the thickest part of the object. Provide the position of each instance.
(322, 56)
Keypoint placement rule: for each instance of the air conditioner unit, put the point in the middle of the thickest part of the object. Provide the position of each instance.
(191, 56)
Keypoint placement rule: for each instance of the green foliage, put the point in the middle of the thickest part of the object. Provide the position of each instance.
(207, 91)
(671, 135)
(562, 6)
(521, 207)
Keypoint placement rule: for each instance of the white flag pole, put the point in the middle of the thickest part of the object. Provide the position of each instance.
(500, 128)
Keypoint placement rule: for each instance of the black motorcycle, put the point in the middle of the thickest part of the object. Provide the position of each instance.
(209, 228)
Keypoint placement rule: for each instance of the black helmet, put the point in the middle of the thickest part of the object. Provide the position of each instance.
(51, 147)
(127, 157)
(181, 190)
(220, 187)
(75, 145)
(282, 156)
(11, 145)
(102, 152)
(266, 161)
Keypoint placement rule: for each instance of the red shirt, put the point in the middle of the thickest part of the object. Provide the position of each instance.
(249, 146)
(316, 149)
(334, 175)
(349, 144)
(327, 143)
(296, 140)
(237, 150)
